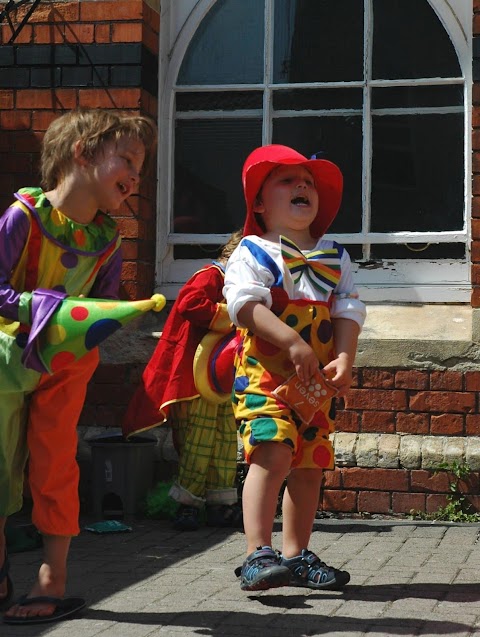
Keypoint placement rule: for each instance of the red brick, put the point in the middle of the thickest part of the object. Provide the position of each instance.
(60, 12)
(333, 479)
(386, 400)
(476, 200)
(413, 423)
(64, 99)
(41, 120)
(24, 37)
(452, 381)
(117, 9)
(408, 502)
(126, 32)
(476, 227)
(109, 98)
(345, 501)
(102, 33)
(442, 401)
(475, 249)
(15, 120)
(152, 18)
(347, 421)
(375, 479)
(374, 501)
(377, 379)
(378, 421)
(475, 274)
(472, 425)
(434, 502)
(411, 379)
(472, 381)
(49, 34)
(428, 481)
(447, 424)
(83, 33)
(475, 297)
(6, 99)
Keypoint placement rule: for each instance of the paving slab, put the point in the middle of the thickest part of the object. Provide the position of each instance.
(409, 578)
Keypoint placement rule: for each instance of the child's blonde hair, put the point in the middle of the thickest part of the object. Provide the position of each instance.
(230, 246)
(93, 128)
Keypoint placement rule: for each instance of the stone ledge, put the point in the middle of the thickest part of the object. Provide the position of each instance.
(404, 451)
(386, 451)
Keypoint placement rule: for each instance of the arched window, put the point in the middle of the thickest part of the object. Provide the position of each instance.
(378, 87)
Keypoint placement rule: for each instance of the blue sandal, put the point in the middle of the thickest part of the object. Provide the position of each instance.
(5, 601)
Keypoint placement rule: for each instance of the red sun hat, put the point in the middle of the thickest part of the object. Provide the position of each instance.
(326, 175)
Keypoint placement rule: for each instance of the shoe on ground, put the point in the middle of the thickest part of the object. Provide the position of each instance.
(262, 570)
(225, 515)
(187, 518)
(308, 570)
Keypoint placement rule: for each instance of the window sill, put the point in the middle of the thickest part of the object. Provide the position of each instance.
(430, 336)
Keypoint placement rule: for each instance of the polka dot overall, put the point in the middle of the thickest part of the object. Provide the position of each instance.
(261, 367)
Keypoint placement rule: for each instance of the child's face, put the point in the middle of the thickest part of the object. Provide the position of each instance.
(288, 200)
(116, 171)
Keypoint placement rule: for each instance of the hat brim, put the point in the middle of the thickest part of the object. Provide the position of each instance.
(328, 183)
(214, 355)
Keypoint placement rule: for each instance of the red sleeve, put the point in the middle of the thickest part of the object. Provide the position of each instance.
(198, 299)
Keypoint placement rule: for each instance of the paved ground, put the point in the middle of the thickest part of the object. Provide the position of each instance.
(407, 579)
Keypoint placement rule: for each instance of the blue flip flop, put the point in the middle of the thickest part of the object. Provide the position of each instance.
(5, 601)
(64, 607)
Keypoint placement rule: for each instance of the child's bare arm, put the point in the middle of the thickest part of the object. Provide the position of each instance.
(265, 324)
(345, 336)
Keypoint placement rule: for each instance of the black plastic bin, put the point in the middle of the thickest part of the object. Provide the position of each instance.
(122, 474)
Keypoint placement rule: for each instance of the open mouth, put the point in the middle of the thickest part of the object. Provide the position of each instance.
(300, 201)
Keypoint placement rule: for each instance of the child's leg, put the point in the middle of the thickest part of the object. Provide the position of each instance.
(269, 465)
(195, 423)
(52, 578)
(300, 503)
(55, 408)
(222, 470)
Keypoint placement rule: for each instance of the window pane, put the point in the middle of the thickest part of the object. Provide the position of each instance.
(340, 139)
(317, 98)
(227, 48)
(219, 101)
(417, 173)
(420, 251)
(417, 96)
(318, 41)
(209, 155)
(409, 41)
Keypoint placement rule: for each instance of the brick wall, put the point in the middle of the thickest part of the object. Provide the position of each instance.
(105, 54)
(71, 53)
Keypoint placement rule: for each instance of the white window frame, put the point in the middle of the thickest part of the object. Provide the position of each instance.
(442, 280)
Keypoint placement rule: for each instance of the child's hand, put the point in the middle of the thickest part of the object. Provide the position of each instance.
(304, 359)
(339, 373)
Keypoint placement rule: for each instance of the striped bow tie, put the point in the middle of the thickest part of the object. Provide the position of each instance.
(322, 267)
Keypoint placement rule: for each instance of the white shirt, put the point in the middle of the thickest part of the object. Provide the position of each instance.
(257, 264)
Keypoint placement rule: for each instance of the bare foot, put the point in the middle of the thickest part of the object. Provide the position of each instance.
(48, 584)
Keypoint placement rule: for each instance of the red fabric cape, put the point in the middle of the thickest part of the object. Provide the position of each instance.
(168, 376)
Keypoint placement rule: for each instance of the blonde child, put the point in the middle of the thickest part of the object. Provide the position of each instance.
(292, 294)
(57, 241)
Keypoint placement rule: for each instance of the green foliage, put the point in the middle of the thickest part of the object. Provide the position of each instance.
(458, 508)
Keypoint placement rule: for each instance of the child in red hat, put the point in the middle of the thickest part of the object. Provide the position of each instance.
(292, 294)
